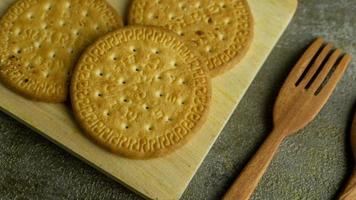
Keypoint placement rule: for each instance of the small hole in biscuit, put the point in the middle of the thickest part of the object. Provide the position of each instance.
(200, 33)
(44, 26)
(26, 80)
(113, 57)
(101, 74)
(85, 13)
(227, 21)
(100, 95)
(181, 102)
(30, 16)
(125, 100)
(18, 51)
(46, 7)
(159, 77)
(134, 50)
(123, 82)
(137, 69)
(182, 82)
(168, 119)
(149, 128)
(180, 33)
(210, 20)
(126, 126)
(159, 94)
(221, 37)
(171, 17)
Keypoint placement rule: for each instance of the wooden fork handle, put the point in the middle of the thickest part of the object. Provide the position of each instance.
(245, 184)
(349, 192)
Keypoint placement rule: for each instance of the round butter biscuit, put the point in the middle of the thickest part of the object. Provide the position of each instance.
(221, 30)
(41, 40)
(140, 92)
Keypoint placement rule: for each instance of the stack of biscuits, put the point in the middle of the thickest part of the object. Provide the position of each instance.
(140, 90)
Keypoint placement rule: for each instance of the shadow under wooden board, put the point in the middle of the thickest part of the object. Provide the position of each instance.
(166, 177)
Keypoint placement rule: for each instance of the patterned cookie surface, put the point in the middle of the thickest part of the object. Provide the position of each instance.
(140, 92)
(41, 40)
(221, 30)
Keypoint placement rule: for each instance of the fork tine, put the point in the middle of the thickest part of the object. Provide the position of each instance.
(312, 71)
(304, 61)
(335, 77)
(325, 71)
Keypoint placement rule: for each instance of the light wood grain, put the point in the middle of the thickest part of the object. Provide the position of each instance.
(166, 177)
(297, 104)
(349, 192)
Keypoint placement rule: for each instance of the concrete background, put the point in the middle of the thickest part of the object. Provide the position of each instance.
(314, 164)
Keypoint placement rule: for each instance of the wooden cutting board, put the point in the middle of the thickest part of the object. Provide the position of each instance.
(166, 177)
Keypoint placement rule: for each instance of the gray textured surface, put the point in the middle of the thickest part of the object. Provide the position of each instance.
(311, 165)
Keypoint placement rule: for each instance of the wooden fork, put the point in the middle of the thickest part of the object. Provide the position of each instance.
(306, 90)
(349, 192)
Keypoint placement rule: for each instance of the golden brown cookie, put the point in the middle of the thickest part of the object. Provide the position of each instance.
(140, 92)
(41, 40)
(221, 30)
